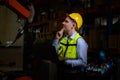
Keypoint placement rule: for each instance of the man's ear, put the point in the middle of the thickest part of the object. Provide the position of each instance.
(74, 24)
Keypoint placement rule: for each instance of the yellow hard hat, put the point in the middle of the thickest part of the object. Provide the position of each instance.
(77, 18)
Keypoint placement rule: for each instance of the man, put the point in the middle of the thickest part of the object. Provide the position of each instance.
(71, 47)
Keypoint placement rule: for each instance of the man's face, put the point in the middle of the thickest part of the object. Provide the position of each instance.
(68, 24)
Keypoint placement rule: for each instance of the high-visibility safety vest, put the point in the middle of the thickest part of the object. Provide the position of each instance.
(67, 48)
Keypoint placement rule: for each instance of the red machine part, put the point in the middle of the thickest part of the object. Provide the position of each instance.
(24, 78)
(17, 7)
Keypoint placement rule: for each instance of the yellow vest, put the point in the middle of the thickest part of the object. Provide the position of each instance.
(67, 49)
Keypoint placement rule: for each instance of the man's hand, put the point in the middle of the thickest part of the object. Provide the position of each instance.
(59, 34)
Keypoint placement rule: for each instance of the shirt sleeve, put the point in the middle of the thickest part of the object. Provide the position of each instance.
(55, 44)
(82, 48)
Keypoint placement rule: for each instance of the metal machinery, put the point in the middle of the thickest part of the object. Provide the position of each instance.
(24, 10)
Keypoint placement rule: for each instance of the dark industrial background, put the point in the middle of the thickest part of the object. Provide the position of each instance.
(32, 54)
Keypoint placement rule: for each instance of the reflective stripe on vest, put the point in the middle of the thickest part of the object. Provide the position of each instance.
(67, 49)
